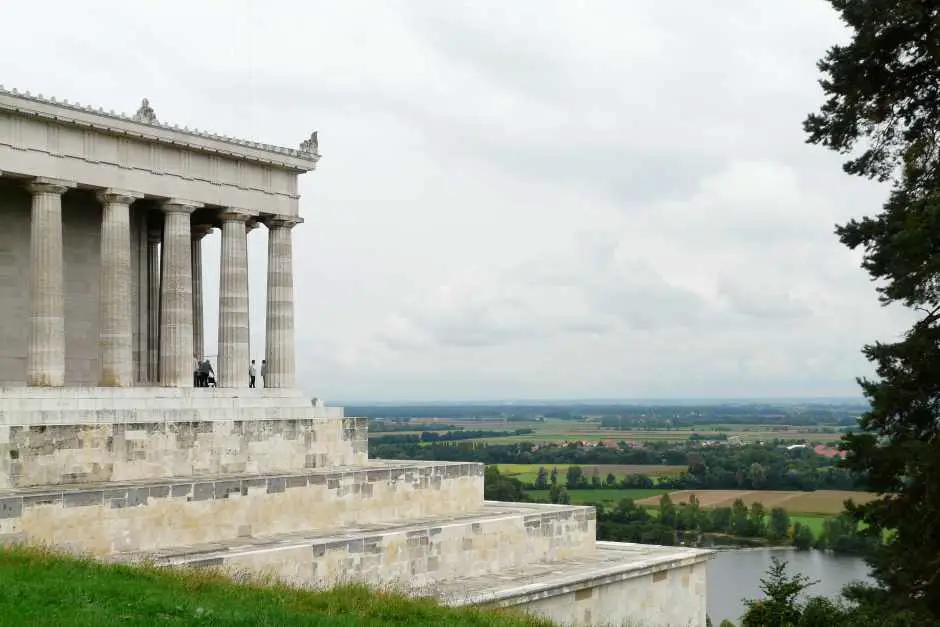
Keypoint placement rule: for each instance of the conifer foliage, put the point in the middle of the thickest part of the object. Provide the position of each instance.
(882, 109)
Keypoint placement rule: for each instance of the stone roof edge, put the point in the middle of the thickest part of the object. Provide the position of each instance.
(121, 123)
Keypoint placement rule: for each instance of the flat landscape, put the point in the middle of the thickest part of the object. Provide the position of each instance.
(528, 472)
(609, 498)
(555, 431)
(823, 502)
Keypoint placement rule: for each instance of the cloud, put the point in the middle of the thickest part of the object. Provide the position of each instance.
(526, 199)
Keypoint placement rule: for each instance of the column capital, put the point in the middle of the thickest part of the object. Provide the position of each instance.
(198, 231)
(50, 186)
(234, 215)
(154, 236)
(117, 196)
(282, 222)
(177, 205)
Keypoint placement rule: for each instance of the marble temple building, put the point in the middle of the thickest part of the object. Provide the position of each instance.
(108, 449)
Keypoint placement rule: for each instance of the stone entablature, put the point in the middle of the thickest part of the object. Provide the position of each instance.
(43, 137)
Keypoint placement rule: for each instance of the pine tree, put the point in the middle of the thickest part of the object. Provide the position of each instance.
(883, 106)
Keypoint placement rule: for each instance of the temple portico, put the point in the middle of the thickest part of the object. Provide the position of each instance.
(167, 235)
(115, 209)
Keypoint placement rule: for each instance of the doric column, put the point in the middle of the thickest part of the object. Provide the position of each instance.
(233, 302)
(115, 324)
(279, 318)
(199, 341)
(45, 360)
(176, 296)
(153, 305)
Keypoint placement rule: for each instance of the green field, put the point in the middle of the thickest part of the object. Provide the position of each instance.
(527, 473)
(814, 522)
(42, 589)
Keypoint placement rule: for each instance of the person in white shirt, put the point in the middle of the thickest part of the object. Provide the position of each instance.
(251, 374)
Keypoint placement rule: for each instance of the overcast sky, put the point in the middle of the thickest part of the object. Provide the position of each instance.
(526, 199)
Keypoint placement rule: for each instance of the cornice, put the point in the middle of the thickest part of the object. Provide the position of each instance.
(148, 128)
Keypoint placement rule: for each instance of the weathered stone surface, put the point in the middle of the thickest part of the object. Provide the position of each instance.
(415, 554)
(115, 343)
(234, 354)
(71, 454)
(107, 517)
(177, 350)
(46, 355)
(279, 316)
(619, 584)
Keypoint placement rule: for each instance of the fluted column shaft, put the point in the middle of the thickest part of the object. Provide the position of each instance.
(199, 340)
(279, 311)
(45, 360)
(233, 302)
(153, 305)
(176, 297)
(115, 323)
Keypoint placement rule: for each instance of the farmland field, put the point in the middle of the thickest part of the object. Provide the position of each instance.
(827, 502)
(528, 472)
(607, 497)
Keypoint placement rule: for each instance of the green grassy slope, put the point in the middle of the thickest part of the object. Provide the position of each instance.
(39, 588)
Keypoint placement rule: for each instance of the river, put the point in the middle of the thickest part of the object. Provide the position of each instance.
(735, 575)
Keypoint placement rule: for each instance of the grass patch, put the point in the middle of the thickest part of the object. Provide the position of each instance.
(814, 522)
(41, 588)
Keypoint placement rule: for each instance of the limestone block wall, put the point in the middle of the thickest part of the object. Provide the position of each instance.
(668, 597)
(81, 225)
(62, 454)
(105, 519)
(425, 556)
(420, 556)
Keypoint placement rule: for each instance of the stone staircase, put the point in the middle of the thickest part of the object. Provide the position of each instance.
(292, 495)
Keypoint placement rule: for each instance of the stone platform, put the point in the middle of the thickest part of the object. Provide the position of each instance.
(82, 435)
(265, 482)
(417, 553)
(652, 585)
(106, 517)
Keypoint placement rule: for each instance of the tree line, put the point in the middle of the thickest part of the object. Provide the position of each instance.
(748, 467)
(690, 523)
(447, 436)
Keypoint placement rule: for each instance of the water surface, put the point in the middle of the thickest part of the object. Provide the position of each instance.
(736, 575)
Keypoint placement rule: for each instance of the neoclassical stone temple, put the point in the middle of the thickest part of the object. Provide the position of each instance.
(108, 214)
(106, 447)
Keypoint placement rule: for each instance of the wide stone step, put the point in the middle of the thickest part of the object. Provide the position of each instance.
(414, 555)
(147, 515)
(617, 584)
